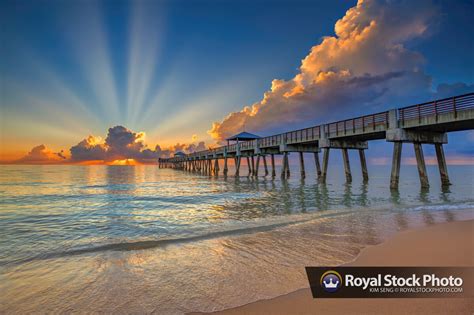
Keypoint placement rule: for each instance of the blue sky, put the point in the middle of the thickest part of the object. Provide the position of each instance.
(172, 68)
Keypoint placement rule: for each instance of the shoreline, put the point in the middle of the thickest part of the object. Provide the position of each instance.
(443, 244)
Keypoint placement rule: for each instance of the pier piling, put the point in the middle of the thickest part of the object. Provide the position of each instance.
(257, 165)
(347, 165)
(318, 166)
(216, 167)
(363, 165)
(420, 162)
(284, 163)
(443, 169)
(265, 164)
(237, 165)
(225, 166)
(249, 166)
(396, 161)
(325, 165)
(253, 165)
(273, 165)
(302, 170)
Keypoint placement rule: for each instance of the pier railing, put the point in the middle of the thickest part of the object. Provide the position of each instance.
(270, 141)
(359, 125)
(451, 105)
(303, 135)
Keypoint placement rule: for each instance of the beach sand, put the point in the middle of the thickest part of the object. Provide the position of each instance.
(446, 244)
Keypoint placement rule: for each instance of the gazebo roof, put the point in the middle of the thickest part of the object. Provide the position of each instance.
(179, 153)
(244, 136)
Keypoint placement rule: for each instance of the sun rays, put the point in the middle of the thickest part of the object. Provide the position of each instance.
(112, 70)
(96, 95)
(146, 30)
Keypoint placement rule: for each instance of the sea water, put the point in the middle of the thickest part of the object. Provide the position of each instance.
(139, 239)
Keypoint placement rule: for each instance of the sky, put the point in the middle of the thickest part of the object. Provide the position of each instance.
(87, 81)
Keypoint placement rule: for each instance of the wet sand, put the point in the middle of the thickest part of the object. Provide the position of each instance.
(445, 244)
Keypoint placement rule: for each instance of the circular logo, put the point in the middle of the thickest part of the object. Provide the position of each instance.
(331, 281)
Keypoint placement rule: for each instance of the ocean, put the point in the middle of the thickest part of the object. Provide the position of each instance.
(139, 239)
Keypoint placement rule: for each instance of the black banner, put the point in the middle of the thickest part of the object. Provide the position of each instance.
(391, 282)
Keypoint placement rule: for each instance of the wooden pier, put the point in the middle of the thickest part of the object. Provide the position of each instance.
(426, 123)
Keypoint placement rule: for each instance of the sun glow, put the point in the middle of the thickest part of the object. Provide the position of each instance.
(124, 162)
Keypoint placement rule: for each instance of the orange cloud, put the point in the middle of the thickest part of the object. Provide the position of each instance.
(41, 155)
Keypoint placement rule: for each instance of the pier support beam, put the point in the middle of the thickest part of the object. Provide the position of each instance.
(249, 166)
(318, 166)
(363, 166)
(302, 170)
(420, 162)
(253, 165)
(396, 161)
(257, 165)
(273, 165)
(284, 165)
(225, 166)
(443, 169)
(325, 164)
(237, 165)
(265, 164)
(287, 166)
(347, 165)
(216, 167)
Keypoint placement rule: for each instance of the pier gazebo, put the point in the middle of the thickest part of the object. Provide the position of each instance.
(179, 154)
(243, 136)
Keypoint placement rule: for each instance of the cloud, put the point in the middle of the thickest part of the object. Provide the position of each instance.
(120, 144)
(41, 155)
(364, 67)
(195, 147)
(89, 149)
(123, 144)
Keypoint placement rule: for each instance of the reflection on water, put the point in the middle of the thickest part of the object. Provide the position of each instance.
(143, 239)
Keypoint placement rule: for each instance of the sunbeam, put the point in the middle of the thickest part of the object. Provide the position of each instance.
(85, 32)
(146, 30)
(202, 107)
(54, 105)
